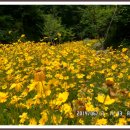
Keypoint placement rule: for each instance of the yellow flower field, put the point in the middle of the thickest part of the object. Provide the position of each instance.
(67, 84)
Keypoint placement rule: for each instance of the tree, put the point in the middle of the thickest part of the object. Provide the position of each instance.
(33, 21)
(95, 20)
(10, 23)
(119, 31)
(53, 30)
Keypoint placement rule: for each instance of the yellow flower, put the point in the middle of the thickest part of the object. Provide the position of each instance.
(42, 121)
(105, 99)
(124, 49)
(122, 121)
(4, 86)
(54, 82)
(81, 121)
(13, 86)
(9, 71)
(129, 94)
(62, 97)
(39, 75)
(90, 90)
(23, 117)
(43, 89)
(114, 66)
(66, 108)
(128, 119)
(127, 103)
(59, 34)
(40, 87)
(100, 98)
(109, 81)
(56, 119)
(16, 86)
(101, 121)
(71, 67)
(14, 99)
(32, 86)
(44, 117)
(48, 75)
(64, 64)
(120, 75)
(59, 76)
(70, 115)
(108, 59)
(3, 97)
(29, 103)
(24, 93)
(23, 35)
(44, 113)
(125, 57)
(89, 106)
(128, 77)
(32, 121)
(47, 92)
(76, 60)
(65, 86)
(92, 85)
(82, 56)
(109, 101)
(66, 77)
(88, 77)
(80, 76)
(8, 66)
(105, 108)
(21, 105)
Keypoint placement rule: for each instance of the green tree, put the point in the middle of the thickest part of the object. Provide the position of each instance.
(53, 30)
(10, 23)
(95, 20)
(33, 21)
(119, 30)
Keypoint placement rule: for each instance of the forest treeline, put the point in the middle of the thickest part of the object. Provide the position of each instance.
(60, 23)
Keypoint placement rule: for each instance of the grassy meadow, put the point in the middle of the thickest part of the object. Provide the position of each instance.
(66, 84)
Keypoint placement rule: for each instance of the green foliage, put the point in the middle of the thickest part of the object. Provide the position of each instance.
(53, 29)
(8, 36)
(60, 23)
(9, 29)
(119, 30)
(125, 43)
(95, 20)
(33, 20)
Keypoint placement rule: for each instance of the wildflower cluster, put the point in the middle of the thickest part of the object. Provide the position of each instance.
(49, 85)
